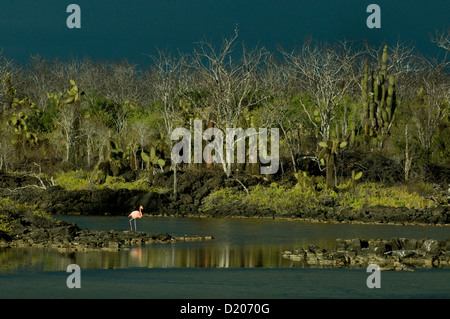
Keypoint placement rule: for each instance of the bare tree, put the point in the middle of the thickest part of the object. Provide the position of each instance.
(232, 84)
(121, 83)
(140, 133)
(280, 110)
(6, 148)
(279, 114)
(95, 137)
(430, 107)
(43, 76)
(326, 73)
(65, 121)
(442, 39)
(167, 83)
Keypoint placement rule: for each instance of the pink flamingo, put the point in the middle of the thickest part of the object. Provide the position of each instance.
(135, 214)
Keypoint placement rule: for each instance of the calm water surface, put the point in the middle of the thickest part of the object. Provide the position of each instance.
(242, 261)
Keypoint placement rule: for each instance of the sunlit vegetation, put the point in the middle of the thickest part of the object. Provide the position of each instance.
(282, 200)
(10, 210)
(80, 179)
(349, 116)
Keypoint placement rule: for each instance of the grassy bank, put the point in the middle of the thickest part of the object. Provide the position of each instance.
(209, 193)
(283, 200)
(81, 179)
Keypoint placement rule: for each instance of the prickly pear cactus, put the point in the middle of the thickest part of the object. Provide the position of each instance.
(152, 159)
(328, 152)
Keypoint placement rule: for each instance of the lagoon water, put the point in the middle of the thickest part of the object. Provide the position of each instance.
(242, 261)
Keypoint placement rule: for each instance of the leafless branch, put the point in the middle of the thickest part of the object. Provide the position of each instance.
(442, 39)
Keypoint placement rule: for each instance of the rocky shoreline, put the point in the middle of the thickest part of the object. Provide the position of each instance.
(392, 254)
(72, 238)
(193, 188)
(30, 230)
(56, 200)
(26, 228)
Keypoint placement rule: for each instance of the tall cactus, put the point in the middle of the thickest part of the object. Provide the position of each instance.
(365, 100)
(390, 100)
(378, 99)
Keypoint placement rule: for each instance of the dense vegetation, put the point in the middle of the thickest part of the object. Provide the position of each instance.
(347, 114)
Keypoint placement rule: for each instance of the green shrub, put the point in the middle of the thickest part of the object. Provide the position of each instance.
(73, 180)
(140, 184)
(422, 188)
(285, 201)
(79, 180)
(5, 223)
(373, 194)
(280, 199)
(221, 197)
(10, 210)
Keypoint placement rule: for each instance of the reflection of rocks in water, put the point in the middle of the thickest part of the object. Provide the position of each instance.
(194, 254)
(217, 256)
(392, 254)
